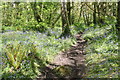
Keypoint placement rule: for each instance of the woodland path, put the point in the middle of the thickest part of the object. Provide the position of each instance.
(72, 62)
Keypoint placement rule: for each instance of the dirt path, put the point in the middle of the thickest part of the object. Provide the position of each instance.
(69, 64)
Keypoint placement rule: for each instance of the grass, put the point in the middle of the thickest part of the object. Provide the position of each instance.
(102, 52)
(102, 57)
(24, 53)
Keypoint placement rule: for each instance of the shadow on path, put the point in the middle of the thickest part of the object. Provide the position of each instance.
(71, 60)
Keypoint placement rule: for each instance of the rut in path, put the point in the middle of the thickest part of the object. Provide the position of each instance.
(72, 58)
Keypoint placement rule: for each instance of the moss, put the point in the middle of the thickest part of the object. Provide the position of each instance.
(63, 70)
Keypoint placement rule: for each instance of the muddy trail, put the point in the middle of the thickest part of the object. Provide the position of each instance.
(67, 64)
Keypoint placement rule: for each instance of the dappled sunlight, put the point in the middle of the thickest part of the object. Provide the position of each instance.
(101, 53)
(42, 40)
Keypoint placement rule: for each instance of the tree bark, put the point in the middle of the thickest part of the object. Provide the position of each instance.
(65, 22)
(94, 13)
(54, 22)
(118, 21)
(72, 13)
(36, 15)
(118, 17)
(81, 9)
(69, 12)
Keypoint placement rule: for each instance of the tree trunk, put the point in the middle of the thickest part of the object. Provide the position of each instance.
(54, 22)
(85, 21)
(80, 12)
(94, 13)
(72, 14)
(118, 17)
(118, 21)
(36, 15)
(69, 12)
(98, 8)
(65, 23)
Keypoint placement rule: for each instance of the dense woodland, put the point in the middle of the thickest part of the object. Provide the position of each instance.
(33, 33)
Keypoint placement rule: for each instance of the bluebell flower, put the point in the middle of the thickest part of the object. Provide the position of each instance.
(62, 37)
(9, 30)
(55, 39)
(1, 63)
(110, 68)
(116, 44)
(104, 36)
(52, 32)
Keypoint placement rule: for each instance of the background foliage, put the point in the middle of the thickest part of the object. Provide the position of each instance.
(34, 32)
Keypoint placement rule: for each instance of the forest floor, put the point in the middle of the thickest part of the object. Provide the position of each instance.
(69, 63)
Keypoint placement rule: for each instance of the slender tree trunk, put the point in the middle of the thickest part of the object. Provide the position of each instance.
(118, 17)
(85, 21)
(87, 18)
(98, 8)
(65, 23)
(36, 15)
(114, 9)
(54, 22)
(72, 17)
(69, 12)
(118, 21)
(80, 12)
(94, 13)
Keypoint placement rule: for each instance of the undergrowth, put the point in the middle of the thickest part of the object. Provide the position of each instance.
(102, 52)
(25, 53)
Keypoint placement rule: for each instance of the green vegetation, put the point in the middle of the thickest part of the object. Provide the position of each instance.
(23, 51)
(102, 52)
(33, 33)
(63, 70)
